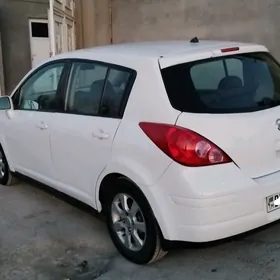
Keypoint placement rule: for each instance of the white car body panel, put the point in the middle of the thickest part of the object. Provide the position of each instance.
(211, 203)
(212, 49)
(190, 204)
(80, 151)
(255, 154)
(4, 121)
(25, 138)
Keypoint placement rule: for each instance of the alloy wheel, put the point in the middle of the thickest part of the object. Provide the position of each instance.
(128, 222)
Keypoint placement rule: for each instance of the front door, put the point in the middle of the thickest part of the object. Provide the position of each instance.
(28, 137)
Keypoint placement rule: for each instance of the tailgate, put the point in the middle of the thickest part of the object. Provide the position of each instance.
(233, 100)
(251, 140)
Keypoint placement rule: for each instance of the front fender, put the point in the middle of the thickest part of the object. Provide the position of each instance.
(4, 145)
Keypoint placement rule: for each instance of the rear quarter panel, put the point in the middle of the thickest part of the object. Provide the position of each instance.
(133, 153)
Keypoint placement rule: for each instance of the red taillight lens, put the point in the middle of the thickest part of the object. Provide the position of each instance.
(183, 145)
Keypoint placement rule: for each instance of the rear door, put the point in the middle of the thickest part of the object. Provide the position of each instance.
(233, 101)
(81, 138)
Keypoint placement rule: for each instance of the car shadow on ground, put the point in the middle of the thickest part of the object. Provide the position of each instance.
(59, 195)
(56, 238)
(174, 245)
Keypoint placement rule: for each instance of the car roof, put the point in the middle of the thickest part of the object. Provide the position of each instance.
(154, 49)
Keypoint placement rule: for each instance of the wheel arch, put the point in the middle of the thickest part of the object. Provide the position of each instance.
(3, 145)
(105, 186)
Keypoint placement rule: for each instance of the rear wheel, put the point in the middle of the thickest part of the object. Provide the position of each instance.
(132, 225)
(6, 176)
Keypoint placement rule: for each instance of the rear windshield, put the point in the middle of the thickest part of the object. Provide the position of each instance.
(228, 84)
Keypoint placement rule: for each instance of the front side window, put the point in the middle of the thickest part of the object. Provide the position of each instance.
(229, 84)
(39, 92)
(87, 81)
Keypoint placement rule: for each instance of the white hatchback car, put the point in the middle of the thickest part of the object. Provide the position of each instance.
(173, 141)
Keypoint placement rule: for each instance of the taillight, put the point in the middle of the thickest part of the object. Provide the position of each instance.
(183, 145)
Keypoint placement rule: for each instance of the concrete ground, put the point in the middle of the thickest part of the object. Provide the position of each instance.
(45, 236)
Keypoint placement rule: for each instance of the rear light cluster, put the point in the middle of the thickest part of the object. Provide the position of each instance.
(183, 145)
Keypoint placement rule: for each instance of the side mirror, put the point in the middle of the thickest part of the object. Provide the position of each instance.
(6, 103)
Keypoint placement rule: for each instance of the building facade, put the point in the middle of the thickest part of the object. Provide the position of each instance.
(25, 39)
(24, 29)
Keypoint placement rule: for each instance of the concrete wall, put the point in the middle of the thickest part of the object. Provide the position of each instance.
(246, 20)
(14, 28)
(93, 23)
(137, 20)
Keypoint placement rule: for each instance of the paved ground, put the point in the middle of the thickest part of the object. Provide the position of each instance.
(46, 236)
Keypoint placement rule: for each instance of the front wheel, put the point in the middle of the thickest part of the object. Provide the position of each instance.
(6, 176)
(132, 225)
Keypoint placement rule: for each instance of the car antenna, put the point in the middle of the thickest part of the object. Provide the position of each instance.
(194, 40)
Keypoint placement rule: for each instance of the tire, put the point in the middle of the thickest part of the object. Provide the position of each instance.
(6, 176)
(136, 223)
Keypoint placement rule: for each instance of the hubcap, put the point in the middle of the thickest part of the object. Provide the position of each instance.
(128, 222)
(2, 166)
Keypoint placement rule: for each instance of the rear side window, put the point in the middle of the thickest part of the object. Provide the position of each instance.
(114, 92)
(228, 84)
(87, 81)
(98, 89)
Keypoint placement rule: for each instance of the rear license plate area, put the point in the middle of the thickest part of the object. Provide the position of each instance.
(270, 206)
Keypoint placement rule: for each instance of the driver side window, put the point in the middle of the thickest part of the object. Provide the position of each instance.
(39, 92)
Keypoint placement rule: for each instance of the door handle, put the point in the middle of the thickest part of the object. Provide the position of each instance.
(100, 135)
(42, 126)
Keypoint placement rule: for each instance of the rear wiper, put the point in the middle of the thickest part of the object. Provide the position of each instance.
(266, 101)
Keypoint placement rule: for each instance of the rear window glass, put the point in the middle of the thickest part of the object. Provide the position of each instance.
(229, 84)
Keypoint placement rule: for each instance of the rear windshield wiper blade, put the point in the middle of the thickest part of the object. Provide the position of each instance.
(268, 102)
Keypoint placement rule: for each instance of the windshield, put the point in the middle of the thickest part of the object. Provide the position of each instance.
(228, 84)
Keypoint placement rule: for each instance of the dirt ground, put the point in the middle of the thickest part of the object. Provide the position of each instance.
(47, 236)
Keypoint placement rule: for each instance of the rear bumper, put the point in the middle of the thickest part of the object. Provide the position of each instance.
(207, 204)
(218, 231)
